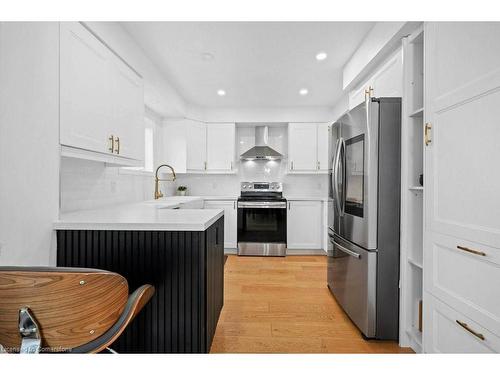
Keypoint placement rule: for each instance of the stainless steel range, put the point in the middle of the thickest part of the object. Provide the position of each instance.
(262, 219)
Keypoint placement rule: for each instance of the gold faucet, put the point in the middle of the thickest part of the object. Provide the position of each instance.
(158, 193)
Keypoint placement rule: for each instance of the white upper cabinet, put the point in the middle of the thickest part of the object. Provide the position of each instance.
(385, 82)
(221, 140)
(196, 141)
(102, 100)
(308, 147)
(85, 90)
(323, 144)
(128, 110)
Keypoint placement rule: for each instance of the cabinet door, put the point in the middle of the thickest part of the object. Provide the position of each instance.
(230, 217)
(462, 106)
(358, 96)
(323, 142)
(196, 146)
(448, 331)
(388, 81)
(304, 225)
(128, 110)
(302, 147)
(220, 147)
(85, 90)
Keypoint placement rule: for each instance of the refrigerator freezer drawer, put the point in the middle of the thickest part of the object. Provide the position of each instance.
(352, 278)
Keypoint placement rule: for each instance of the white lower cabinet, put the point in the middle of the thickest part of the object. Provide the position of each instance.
(304, 224)
(230, 220)
(448, 331)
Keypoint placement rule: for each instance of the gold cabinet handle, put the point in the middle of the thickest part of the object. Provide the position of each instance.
(205, 165)
(231, 166)
(117, 145)
(318, 165)
(291, 165)
(111, 140)
(369, 92)
(468, 329)
(427, 138)
(472, 251)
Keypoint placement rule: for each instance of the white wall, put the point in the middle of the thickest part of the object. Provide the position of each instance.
(29, 142)
(87, 185)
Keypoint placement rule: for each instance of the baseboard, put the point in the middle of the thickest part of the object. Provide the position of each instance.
(305, 252)
(230, 251)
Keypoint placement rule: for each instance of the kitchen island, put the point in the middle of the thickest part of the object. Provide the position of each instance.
(179, 251)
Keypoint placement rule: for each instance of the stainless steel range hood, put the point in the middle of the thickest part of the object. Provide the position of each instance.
(261, 151)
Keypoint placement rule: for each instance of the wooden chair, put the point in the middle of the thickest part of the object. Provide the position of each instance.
(51, 309)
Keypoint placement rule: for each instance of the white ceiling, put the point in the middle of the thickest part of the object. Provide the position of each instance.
(258, 64)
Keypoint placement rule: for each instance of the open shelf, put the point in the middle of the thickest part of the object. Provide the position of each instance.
(412, 194)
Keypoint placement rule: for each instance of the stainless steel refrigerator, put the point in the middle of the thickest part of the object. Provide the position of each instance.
(363, 259)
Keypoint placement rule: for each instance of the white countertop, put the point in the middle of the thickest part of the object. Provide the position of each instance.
(156, 215)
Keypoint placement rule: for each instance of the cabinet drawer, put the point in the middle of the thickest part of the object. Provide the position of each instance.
(448, 331)
(466, 276)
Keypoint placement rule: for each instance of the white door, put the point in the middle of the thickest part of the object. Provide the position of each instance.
(304, 225)
(128, 110)
(302, 147)
(196, 146)
(220, 147)
(230, 220)
(323, 141)
(85, 90)
(462, 80)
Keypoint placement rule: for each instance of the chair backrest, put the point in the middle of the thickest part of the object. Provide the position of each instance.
(72, 306)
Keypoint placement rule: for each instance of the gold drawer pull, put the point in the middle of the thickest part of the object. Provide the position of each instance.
(472, 251)
(466, 327)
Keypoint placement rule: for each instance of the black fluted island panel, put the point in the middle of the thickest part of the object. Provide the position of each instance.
(186, 268)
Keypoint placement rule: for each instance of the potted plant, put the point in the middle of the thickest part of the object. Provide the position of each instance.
(182, 190)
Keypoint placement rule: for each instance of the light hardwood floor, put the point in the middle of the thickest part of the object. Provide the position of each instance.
(282, 305)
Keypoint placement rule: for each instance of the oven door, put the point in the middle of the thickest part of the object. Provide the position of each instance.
(261, 228)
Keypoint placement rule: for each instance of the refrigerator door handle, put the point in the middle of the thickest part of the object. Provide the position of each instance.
(347, 251)
(335, 177)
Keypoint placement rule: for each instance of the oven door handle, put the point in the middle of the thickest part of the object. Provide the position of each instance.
(261, 204)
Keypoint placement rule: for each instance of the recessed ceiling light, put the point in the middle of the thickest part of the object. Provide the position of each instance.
(207, 56)
(321, 56)
(221, 92)
(303, 92)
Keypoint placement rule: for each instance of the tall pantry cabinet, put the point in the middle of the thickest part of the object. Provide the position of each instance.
(462, 209)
